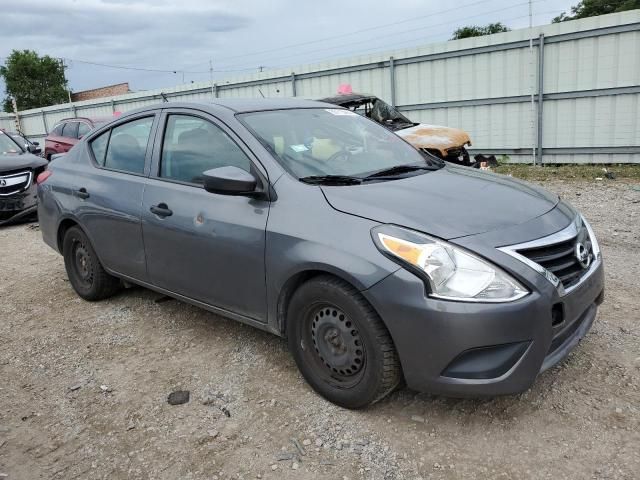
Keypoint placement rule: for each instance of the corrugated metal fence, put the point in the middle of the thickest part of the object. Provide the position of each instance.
(573, 97)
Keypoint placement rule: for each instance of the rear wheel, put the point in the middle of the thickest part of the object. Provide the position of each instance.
(86, 274)
(340, 344)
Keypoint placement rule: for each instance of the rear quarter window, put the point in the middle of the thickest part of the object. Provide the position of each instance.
(99, 147)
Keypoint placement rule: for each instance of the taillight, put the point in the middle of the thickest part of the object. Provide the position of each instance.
(43, 176)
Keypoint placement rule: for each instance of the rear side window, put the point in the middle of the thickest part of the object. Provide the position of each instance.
(83, 129)
(127, 146)
(57, 130)
(193, 145)
(70, 130)
(99, 147)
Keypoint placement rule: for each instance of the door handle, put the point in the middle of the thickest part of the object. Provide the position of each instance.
(81, 193)
(161, 210)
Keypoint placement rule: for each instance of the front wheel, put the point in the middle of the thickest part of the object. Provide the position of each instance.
(340, 344)
(86, 274)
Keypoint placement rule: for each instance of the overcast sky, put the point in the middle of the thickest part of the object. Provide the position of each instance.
(238, 35)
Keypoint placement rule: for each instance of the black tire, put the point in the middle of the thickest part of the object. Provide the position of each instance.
(340, 344)
(86, 274)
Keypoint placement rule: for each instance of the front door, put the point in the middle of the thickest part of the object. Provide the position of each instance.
(205, 246)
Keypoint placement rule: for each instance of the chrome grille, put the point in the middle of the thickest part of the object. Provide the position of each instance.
(561, 258)
(565, 258)
(14, 183)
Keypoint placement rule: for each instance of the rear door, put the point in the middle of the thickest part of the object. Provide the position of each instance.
(68, 138)
(52, 142)
(204, 246)
(109, 195)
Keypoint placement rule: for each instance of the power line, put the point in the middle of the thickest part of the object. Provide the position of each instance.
(155, 70)
(354, 32)
(423, 27)
(383, 48)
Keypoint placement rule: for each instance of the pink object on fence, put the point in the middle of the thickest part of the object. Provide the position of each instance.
(345, 89)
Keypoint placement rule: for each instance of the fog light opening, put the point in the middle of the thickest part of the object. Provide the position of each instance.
(557, 315)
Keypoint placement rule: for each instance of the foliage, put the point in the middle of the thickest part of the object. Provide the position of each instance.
(476, 31)
(591, 8)
(33, 81)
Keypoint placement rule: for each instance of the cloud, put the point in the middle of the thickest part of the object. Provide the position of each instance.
(237, 34)
(121, 32)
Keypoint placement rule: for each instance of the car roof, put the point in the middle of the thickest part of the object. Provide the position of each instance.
(236, 105)
(348, 98)
(88, 119)
(242, 105)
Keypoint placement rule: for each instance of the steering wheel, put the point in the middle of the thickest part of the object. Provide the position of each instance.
(308, 165)
(340, 155)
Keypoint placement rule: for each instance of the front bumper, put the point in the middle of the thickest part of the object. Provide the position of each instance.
(18, 206)
(477, 349)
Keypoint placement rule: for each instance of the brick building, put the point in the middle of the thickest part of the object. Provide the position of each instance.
(108, 91)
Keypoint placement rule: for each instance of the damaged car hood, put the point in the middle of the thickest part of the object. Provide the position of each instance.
(9, 163)
(449, 203)
(434, 137)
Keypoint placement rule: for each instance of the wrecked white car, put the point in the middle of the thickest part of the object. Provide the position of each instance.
(444, 142)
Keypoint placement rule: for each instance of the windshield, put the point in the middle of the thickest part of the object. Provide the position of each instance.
(8, 146)
(384, 113)
(331, 141)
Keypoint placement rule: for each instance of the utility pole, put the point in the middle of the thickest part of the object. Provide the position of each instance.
(533, 102)
(17, 115)
(211, 77)
(260, 68)
(61, 60)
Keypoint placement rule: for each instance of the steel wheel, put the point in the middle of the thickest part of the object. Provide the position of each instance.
(339, 350)
(82, 264)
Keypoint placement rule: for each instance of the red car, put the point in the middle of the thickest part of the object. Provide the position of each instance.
(67, 133)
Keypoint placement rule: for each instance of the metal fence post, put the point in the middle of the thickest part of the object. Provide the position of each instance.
(540, 93)
(44, 122)
(392, 78)
(293, 83)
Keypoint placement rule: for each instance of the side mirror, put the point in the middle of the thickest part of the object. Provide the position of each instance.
(34, 149)
(230, 181)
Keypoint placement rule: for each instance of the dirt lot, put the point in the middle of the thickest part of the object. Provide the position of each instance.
(83, 391)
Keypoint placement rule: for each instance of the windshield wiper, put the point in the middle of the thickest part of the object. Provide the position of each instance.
(397, 170)
(331, 180)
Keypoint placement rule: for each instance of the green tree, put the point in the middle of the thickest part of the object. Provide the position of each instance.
(475, 31)
(591, 8)
(33, 81)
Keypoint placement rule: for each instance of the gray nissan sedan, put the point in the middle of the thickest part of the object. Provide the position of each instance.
(377, 262)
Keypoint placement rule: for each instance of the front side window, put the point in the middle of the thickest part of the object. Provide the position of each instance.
(70, 130)
(57, 130)
(83, 129)
(193, 145)
(329, 141)
(127, 146)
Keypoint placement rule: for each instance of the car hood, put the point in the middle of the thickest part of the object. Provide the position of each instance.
(449, 203)
(9, 163)
(434, 137)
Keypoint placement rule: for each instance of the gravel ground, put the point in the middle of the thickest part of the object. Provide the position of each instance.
(84, 386)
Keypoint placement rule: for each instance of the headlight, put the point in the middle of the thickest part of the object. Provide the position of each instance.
(452, 273)
(595, 247)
